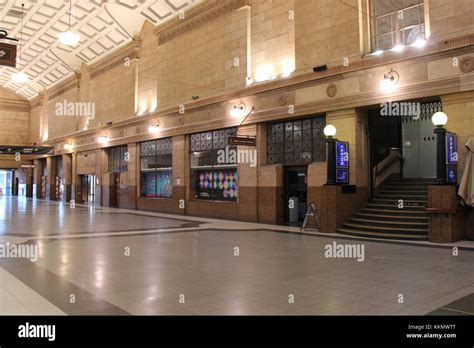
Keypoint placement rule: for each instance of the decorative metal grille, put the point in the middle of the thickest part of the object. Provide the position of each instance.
(211, 140)
(117, 159)
(157, 147)
(296, 142)
(427, 110)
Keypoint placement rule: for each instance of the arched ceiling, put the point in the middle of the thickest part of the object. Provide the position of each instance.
(104, 26)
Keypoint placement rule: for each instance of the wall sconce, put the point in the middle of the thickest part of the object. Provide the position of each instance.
(102, 139)
(238, 110)
(68, 147)
(154, 128)
(390, 80)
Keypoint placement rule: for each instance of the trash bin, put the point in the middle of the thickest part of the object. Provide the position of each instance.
(293, 208)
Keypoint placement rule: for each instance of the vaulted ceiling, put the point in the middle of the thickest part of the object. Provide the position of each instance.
(104, 26)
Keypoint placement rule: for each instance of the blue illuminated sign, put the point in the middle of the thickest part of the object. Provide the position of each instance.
(451, 149)
(342, 176)
(342, 154)
(451, 174)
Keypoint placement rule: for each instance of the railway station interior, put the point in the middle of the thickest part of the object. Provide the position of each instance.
(236, 157)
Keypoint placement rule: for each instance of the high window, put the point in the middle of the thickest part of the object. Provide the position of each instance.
(296, 142)
(397, 22)
(156, 168)
(212, 178)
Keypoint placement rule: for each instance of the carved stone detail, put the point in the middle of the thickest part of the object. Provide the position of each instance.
(331, 90)
(467, 64)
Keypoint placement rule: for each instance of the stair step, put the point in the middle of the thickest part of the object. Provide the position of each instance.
(401, 196)
(395, 212)
(406, 202)
(389, 223)
(412, 180)
(403, 193)
(349, 231)
(393, 217)
(394, 206)
(405, 188)
(400, 230)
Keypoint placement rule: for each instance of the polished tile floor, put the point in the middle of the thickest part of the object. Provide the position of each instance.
(95, 260)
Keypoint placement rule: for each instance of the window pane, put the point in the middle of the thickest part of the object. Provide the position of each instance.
(293, 143)
(412, 16)
(164, 185)
(412, 34)
(148, 184)
(385, 24)
(218, 185)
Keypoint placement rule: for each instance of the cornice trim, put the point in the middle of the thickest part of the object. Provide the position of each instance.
(14, 105)
(64, 89)
(197, 18)
(130, 51)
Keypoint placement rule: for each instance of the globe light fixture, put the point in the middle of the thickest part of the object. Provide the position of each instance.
(19, 77)
(68, 37)
(330, 131)
(439, 119)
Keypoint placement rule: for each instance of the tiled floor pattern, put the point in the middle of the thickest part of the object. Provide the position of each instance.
(18, 299)
(179, 265)
(463, 306)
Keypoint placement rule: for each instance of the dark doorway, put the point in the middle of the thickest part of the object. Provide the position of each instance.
(88, 188)
(114, 194)
(296, 194)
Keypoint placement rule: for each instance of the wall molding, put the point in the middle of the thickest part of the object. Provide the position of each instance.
(197, 18)
(14, 105)
(116, 59)
(65, 87)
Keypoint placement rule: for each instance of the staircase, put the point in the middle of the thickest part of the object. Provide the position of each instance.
(381, 217)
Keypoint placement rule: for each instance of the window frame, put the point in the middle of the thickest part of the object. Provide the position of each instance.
(212, 146)
(162, 148)
(399, 31)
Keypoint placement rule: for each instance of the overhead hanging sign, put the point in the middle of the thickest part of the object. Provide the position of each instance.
(7, 54)
(342, 162)
(241, 141)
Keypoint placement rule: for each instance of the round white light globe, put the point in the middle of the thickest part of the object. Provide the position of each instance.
(329, 130)
(439, 119)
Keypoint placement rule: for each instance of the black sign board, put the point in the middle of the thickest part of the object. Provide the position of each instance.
(241, 141)
(7, 54)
